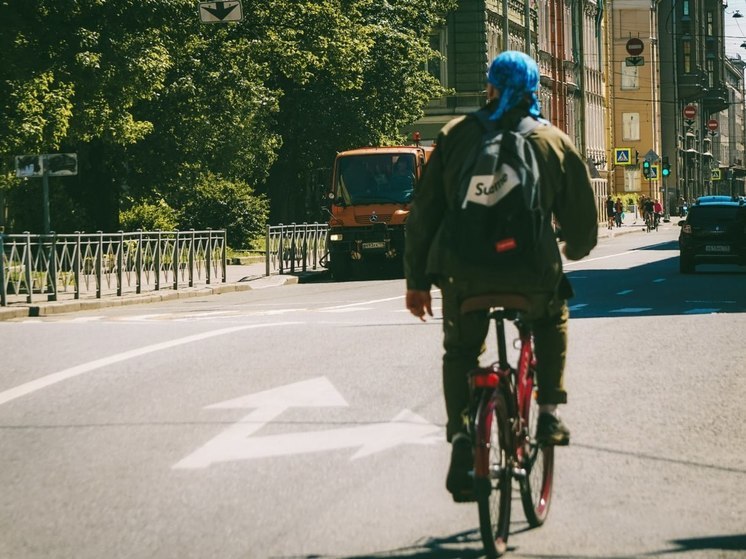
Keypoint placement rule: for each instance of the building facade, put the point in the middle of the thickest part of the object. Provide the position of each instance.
(639, 86)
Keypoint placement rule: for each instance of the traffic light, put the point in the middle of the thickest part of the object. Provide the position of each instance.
(646, 168)
(665, 167)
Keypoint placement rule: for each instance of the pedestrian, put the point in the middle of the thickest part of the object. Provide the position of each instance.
(429, 259)
(610, 215)
(619, 212)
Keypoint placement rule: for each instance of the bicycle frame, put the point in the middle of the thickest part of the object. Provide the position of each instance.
(516, 385)
(502, 430)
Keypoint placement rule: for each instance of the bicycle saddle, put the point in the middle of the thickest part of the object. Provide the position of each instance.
(507, 301)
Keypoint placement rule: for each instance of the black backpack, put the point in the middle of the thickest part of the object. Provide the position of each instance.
(497, 218)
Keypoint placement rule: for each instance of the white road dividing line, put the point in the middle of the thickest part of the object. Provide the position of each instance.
(618, 254)
(625, 292)
(632, 310)
(361, 303)
(48, 380)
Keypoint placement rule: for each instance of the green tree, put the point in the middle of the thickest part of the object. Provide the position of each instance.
(351, 72)
(72, 74)
(155, 103)
(219, 203)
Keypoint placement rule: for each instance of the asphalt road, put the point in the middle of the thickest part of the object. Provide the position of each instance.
(306, 421)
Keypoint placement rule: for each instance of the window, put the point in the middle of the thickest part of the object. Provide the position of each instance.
(631, 126)
(686, 55)
(437, 66)
(631, 180)
(630, 76)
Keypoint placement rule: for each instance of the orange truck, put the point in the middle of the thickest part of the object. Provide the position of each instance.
(372, 189)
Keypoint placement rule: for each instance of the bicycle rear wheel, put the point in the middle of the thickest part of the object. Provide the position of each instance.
(492, 474)
(538, 463)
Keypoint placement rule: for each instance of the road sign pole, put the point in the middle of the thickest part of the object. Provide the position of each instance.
(45, 197)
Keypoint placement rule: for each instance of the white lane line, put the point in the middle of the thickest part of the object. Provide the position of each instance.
(659, 280)
(567, 264)
(701, 311)
(632, 310)
(361, 303)
(578, 306)
(48, 380)
(625, 292)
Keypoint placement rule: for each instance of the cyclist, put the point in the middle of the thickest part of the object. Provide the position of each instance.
(658, 211)
(512, 83)
(648, 208)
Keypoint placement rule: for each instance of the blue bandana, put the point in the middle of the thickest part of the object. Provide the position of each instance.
(516, 75)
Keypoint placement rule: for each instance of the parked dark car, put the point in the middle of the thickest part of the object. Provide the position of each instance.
(714, 232)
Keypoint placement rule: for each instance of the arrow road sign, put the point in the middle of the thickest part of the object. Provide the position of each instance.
(634, 61)
(236, 442)
(219, 12)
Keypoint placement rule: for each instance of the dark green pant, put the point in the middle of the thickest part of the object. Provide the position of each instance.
(464, 337)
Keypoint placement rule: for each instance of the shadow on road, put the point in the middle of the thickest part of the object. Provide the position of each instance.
(657, 289)
(442, 548)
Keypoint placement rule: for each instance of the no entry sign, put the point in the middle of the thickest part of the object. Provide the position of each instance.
(690, 111)
(635, 46)
(712, 124)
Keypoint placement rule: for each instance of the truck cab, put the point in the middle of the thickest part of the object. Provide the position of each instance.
(372, 189)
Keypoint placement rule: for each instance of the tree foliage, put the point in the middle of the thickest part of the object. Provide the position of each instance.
(155, 103)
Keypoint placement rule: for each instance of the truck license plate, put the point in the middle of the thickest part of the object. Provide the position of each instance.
(717, 248)
(376, 244)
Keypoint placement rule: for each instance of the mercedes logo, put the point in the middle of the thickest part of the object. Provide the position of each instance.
(373, 217)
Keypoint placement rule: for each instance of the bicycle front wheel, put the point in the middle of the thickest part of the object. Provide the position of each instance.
(538, 463)
(492, 474)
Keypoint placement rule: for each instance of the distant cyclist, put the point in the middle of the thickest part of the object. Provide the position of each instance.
(657, 211)
(512, 83)
(648, 208)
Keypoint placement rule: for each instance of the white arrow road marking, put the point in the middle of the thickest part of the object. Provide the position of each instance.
(54, 378)
(235, 443)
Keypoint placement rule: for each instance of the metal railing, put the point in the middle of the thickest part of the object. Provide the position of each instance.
(295, 247)
(99, 264)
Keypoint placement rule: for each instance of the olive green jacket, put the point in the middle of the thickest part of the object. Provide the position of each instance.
(566, 192)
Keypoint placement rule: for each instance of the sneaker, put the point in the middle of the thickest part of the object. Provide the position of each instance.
(551, 431)
(460, 482)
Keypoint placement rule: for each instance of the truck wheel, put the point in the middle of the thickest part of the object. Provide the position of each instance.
(341, 270)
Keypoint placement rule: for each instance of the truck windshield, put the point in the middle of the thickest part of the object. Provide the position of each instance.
(375, 179)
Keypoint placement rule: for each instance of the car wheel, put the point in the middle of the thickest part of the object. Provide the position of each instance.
(686, 265)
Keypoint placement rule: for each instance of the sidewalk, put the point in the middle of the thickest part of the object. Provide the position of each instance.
(239, 277)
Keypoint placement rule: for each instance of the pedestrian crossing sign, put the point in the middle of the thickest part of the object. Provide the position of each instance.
(623, 156)
(716, 176)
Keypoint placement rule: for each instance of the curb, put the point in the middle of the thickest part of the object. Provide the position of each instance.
(25, 310)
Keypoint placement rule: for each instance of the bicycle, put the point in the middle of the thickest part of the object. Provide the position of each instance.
(650, 222)
(502, 422)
